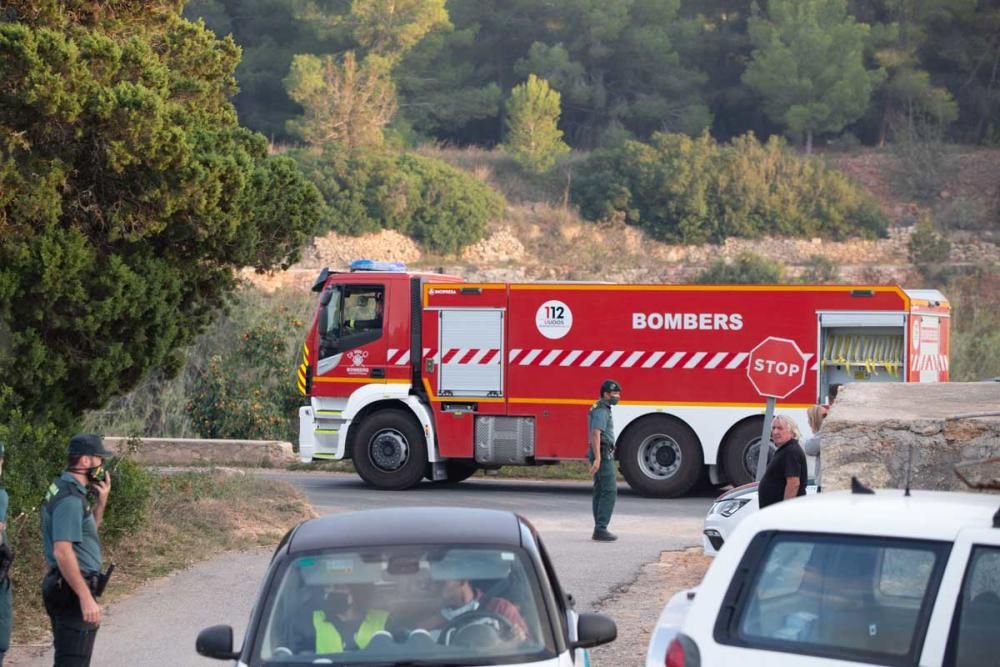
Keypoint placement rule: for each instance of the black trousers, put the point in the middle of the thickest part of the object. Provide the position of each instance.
(72, 637)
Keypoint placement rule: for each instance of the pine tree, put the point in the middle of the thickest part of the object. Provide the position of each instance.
(808, 66)
(345, 102)
(129, 198)
(534, 138)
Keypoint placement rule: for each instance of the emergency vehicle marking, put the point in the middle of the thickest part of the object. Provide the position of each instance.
(695, 360)
(729, 361)
(612, 358)
(653, 358)
(930, 362)
(717, 359)
(571, 357)
(632, 358)
(550, 357)
(674, 359)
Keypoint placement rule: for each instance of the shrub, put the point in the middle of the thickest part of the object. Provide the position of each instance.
(696, 190)
(248, 392)
(747, 269)
(820, 271)
(128, 504)
(975, 302)
(929, 250)
(442, 207)
(452, 209)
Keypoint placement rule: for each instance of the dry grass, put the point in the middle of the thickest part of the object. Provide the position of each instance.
(193, 516)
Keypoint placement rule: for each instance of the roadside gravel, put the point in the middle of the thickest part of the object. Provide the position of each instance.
(636, 605)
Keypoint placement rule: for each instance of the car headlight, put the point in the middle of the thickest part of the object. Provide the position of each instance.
(727, 508)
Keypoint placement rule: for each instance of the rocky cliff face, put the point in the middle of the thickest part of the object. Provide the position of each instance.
(875, 431)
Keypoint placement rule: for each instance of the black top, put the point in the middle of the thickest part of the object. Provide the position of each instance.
(788, 461)
(409, 525)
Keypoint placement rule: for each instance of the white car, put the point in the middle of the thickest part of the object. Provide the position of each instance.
(844, 578)
(728, 511)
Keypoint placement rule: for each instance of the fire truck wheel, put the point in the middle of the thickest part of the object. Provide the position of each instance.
(739, 454)
(389, 451)
(661, 458)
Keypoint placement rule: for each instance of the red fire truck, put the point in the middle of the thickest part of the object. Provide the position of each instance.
(415, 375)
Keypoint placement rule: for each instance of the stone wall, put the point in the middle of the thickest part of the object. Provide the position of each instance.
(872, 428)
(194, 452)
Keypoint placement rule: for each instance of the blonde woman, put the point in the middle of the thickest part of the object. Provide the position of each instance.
(810, 446)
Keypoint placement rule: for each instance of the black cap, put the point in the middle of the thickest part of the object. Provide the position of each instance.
(88, 444)
(610, 385)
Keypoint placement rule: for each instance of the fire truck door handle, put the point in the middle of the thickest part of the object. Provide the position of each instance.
(378, 372)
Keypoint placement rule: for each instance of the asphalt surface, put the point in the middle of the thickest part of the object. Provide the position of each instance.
(158, 624)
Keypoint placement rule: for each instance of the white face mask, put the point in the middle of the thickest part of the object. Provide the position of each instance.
(451, 613)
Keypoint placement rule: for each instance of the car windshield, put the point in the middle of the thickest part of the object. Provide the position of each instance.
(427, 604)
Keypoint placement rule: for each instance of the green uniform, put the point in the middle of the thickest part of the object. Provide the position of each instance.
(67, 517)
(6, 599)
(605, 483)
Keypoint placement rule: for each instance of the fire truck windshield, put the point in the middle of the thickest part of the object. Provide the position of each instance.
(349, 317)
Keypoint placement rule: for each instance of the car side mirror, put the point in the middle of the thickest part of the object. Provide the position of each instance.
(593, 630)
(216, 642)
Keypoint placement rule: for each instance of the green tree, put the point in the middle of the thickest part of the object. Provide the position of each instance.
(391, 28)
(808, 66)
(344, 102)
(897, 41)
(534, 139)
(129, 198)
(747, 269)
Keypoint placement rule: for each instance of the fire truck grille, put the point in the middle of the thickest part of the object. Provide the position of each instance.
(505, 440)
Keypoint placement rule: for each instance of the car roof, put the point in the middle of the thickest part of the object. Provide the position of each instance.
(408, 525)
(932, 515)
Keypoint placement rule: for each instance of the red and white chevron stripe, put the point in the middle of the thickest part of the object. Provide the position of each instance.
(586, 358)
(929, 362)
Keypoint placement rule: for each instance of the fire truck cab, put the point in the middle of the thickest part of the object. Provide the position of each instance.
(420, 375)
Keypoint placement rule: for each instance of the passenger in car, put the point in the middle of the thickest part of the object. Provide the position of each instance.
(346, 620)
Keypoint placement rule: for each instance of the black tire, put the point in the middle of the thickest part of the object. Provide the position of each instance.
(739, 452)
(389, 450)
(661, 457)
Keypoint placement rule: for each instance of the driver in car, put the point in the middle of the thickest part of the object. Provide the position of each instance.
(460, 598)
(347, 621)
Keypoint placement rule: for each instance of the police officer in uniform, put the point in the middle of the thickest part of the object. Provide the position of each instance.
(73, 550)
(6, 557)
(601, 454)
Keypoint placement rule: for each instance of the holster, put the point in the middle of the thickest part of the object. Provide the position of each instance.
(60, 593)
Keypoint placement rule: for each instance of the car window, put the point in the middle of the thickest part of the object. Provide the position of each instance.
(904, 573)
(841, 596)
(430, 603)
(975, 640)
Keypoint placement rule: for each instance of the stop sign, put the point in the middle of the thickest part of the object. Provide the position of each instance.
(777, 367)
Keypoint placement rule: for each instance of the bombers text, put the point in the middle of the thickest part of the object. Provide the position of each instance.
(702, 321)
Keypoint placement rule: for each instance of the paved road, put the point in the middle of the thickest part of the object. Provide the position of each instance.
(158, 625)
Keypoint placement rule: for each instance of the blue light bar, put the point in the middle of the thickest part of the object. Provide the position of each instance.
(376, 265)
